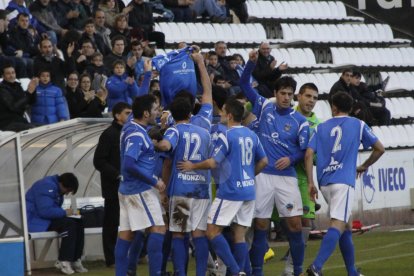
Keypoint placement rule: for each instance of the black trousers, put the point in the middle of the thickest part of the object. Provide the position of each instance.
(72, 232)
(110, 229)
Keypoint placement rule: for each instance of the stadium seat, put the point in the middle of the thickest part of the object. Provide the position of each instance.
(402, 132)
(410, 134)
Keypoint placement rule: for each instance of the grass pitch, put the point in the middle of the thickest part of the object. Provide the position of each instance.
(377, 253)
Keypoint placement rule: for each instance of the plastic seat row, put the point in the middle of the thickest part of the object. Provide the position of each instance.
(210, 33)
(353, 33)
(403, 56)
(321, 10)
(387, 136)
(400, 107)
(323, 81)
(399, 80)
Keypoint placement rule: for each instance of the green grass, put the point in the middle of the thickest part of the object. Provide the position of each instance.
(377, 253)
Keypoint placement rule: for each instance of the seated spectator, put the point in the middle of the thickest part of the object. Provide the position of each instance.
(359, 109)
(23, 43)
(121, 28)
(220, 47)
(136, 51)
(14, 100)
(214, 68)
(118, 49)
(101, 29)
(141, 17)
(233, 76)
(84, 55)
(112, 10)
(50, 106)
(96, 100)
(43, 12)
(240, 9)
(80, 105)
(70, 14)
(121, 88)
(49, 61)
(89, 6)
(90, 33)
(15, 61)
(97, 67)
(373, 100)
(45, 213)
(18, 6)
(216, 10)
(266, 73)
(181, 9)
(154, 86)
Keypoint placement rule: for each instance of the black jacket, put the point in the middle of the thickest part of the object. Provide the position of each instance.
(341, 86)
(80, 108)
(59, 68)
(141, 17)
(264, 74)
(21, 39)
(13, 103)
(107, 160)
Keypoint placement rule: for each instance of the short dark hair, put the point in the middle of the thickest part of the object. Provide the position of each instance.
(156, 133)
(118, 62)
(357, 74)
(23, 14)
(235, 108)
(218, 78)
(186, 95)
(89, 21)
(119, 107)
(212, 53)
(69, 181)
(136, 43)
(346, 70)
(116, 38)
(343, 102)
(142, 104)
(180, 109)
(157, 94)
(5, 66)
(308, 85)
(285, 82)
(219, 96)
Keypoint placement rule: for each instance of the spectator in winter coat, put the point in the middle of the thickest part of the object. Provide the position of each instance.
(50, 106)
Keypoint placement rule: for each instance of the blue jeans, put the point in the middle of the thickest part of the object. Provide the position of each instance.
(209, 6)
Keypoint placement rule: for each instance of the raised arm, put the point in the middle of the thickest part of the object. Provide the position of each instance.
(207, 97)
(245, 86)
(145, 85)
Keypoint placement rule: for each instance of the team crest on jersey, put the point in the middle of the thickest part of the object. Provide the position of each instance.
(287, 127)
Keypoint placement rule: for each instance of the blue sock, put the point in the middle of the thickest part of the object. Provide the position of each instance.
(201, 255)
(297, 250)
(179, 256)
(166, 249)
(135, 250)
(121, 257)
(187, 249)
(327, 247)
(257, 252)
(347, 249)
(154, 249)
(222, 249)
(240, 251)
(247, 266)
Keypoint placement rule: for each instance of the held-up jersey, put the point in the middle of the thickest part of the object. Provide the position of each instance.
(135, 143)
(336, 143)
(236, 152)
(192, 143)
(282, 132)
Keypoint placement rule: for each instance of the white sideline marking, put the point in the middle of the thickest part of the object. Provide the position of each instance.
(403, 230)
(371, 261)
(387, 246)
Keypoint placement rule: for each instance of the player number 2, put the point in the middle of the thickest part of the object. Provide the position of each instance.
(337, 133)
(195, 139)
(246, 146)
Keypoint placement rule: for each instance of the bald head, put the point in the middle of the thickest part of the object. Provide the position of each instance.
(264, 49)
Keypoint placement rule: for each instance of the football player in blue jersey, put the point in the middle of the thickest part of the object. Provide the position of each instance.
(336, 143)
(189, 192)
(284, 134)
(239, 155)
(140, 208)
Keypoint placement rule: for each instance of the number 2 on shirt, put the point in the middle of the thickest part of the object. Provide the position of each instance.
(336, 131)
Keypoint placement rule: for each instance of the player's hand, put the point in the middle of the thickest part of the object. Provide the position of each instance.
(360, 170)
(160, 186)
(185, 166)
(253, 56)
(283, 66)
(313, 192)
(129, 80)
(197, 57)
(196, 48)
(148, 65)
(282, 163)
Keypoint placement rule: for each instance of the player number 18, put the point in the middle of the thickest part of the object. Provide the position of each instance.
(246, 147)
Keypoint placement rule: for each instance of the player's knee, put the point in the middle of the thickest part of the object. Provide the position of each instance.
(261, 224)
(212, 231)
(160, 229)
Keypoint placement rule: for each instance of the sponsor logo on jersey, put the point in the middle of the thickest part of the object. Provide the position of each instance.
(333, 166)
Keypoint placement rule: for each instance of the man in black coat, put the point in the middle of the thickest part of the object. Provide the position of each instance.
(107, 161)
(48, 60)
(14, 101)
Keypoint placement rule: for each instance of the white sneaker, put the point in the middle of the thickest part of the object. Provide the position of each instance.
(64, 267)
(78, 267)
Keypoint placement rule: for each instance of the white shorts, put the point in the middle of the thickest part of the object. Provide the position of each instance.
(280, 190)
(139, 211)
(188, 214)
(223, 212)
(340, 199)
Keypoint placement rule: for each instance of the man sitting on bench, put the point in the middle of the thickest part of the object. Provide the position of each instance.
(45, 213)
